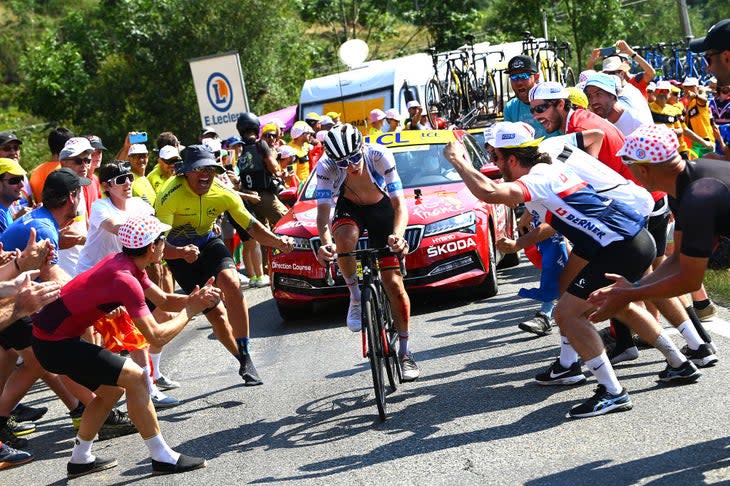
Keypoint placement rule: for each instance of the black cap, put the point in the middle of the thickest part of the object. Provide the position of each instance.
(717, 38)
(6, 137)
(521, 63)
(62, 182)
(95, 142)
(195, 156)
(111, 170)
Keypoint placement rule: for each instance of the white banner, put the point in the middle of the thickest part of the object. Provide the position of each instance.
(221, 91)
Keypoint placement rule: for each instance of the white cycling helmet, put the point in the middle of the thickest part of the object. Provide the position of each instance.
(342, 141)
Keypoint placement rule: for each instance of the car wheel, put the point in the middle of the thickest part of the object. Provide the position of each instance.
(490, 285)
(294, 312)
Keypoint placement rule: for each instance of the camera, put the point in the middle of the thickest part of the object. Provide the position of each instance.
(608, 51)
(138, 137)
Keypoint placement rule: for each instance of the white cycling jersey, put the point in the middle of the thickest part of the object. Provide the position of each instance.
(380, 165)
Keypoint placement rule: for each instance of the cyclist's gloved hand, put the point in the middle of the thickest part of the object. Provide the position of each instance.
(397, 244)
(326, 253)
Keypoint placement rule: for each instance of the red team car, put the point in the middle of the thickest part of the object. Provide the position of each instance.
(450, 233)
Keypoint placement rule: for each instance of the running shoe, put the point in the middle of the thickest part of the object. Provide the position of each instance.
(253, 282)
(243, 279)
(409, 368)
(686, 372)
(707, 313)
(541, 324)
(184, 464)
(10, 457)
(354, 317)
(8, 437)
(602, 403)
(248, 372)
(620, 355)
(702, 357)
(98, 464)
(162, 401)
(117, 424)
(24, 413)
(164, 383)
(557, 375)
(19, 430)
(262, 281)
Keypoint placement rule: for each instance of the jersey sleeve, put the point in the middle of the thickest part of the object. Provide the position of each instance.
(131, 293)
(237, 210)
(385, 165)
(324, 191)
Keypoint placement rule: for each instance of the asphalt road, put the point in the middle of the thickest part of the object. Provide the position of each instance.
(474, 417)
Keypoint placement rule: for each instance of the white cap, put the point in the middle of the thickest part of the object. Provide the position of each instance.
(376, 115)
(168, 152)
(137, 148)
(213, 144)
(664, 84)
(286, 151)
(690, 81)
(614, 63)
(514, 134)
(299, 129)
(393, 114)
(549, 90)
(651, 86)
(413, 104)
(74, 147)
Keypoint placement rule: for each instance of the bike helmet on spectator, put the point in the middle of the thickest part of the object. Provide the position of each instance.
(342, 141)
(248, 122)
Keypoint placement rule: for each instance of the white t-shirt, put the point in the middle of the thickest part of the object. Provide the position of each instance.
(68, 258)
(628, 122)
(100, 242)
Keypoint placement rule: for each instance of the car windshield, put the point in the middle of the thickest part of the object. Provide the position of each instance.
(419, 166)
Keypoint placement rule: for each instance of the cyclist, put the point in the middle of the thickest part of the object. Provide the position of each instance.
(370, 193)
(191, 203)
(608, 234)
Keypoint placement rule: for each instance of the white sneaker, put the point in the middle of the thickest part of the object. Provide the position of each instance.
(243, 279)
(354, 317)
(263, 281)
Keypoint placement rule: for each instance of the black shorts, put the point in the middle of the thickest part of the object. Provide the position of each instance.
(85, 363)
(628, 258)
(657, 226)
(242, 233)
(214, 257)
(17, 335)
(377, 218)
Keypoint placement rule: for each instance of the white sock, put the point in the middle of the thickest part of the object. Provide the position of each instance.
(81, 453)
(568, 356)
(667, 347)
(151, 387)
(601, 368)
(155, 358)
(160, 451)
(354, 288)
(689, 333)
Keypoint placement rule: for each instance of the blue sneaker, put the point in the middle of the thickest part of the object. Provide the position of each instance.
(10, 457)
(602, 403)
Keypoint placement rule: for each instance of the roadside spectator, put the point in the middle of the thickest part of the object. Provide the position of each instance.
(671, 116)
(207, 132)
(11, 182)
(138, 157)
(639, 80)
(377, 120)
(96, 160)
(720, 108)
(627, 93)
(415, 116)
(600, 89)
(312, 119)
(392, 117)
(57, 138)
(699, 118)
(523, 76)
(272, 135)
(335, 116)
(325, 123)
(300, 142)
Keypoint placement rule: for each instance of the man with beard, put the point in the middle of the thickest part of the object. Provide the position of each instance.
(523, 76)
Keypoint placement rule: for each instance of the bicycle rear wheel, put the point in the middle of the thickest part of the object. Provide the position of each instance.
(375, 348)
(434, 98)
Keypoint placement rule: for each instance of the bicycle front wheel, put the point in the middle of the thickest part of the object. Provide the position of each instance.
(375, 348)
(389, 338)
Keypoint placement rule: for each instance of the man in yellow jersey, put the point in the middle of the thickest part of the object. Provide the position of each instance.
(300, 134)
(138, 157)
(698, 116)
(190, 203)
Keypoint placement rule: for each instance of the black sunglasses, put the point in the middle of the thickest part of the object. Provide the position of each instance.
(541, 108)
(80, 160)
(13, 181)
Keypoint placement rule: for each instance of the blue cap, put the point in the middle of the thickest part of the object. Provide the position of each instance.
(606, 82)
(195, 156)
(231, 141)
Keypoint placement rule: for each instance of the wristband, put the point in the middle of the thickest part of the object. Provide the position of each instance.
(633, 55)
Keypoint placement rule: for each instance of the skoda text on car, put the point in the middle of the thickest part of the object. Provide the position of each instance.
(450, 233)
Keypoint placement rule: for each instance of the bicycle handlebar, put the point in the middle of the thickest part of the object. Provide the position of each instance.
(358, 253)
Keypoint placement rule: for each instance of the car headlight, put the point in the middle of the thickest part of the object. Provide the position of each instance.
(464, 222)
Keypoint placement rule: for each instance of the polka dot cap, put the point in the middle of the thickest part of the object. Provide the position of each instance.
(140, 231)
(650, 144)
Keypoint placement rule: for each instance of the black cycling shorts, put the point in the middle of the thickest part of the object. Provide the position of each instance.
(214, 257)
(657, 226)
(17, 335)
(85, 363)
(628, 258)
(377, 218)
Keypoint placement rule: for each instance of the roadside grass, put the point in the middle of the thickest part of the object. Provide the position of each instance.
(717, 284)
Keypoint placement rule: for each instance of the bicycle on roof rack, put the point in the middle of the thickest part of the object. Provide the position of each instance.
(550, 57)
